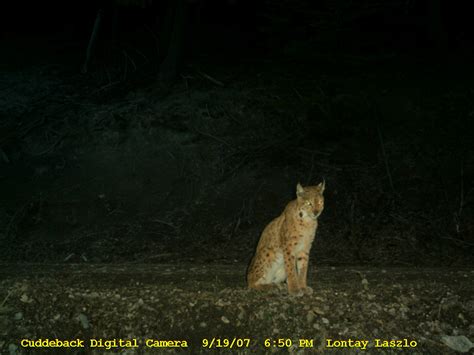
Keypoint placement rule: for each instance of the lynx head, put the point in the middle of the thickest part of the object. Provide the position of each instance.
(310, 200)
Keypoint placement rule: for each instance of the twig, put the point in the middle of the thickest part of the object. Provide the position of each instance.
(130, 59)
(92, 40)
(220, 140)
(459, 241)
(166, 223)
(236, 167)
(127, 59)
(50, 148)
(35, 124)
(384, 154)
(310, 175)
(298, 94)
(141, 54)
(156, 39)
(18, 214)
(4, 156)
(382, 146)
(461, 192)
(457, 215)
(6, 298)
(210, 78)
(125, 70)
(314, 151)
(106, 86)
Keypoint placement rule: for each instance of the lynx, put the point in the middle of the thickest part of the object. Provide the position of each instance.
(283, 250)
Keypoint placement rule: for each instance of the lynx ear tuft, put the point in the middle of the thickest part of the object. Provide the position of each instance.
(322, 185)
(299, 189)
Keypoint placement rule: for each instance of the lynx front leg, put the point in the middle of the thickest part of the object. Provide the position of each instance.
(291, 272)
(302, 266)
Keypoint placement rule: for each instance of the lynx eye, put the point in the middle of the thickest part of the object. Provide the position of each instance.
(308, 203)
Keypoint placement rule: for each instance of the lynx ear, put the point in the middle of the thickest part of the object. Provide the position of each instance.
(322, 185)
(299, 190)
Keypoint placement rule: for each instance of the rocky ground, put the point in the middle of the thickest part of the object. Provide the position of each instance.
(424, 310)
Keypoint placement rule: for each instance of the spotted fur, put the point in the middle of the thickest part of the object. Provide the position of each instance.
(283, 250)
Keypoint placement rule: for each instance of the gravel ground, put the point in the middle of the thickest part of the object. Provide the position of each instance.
(421, 310)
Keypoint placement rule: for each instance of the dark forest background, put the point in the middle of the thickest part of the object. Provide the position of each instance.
(185, 129)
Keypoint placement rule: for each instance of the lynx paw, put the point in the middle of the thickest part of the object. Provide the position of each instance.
(301, 291)
(296, 292)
